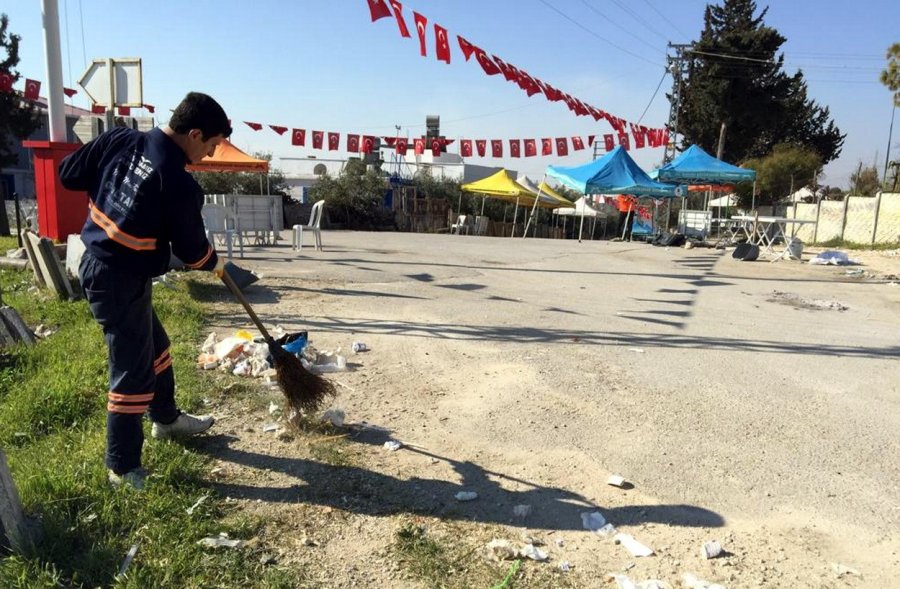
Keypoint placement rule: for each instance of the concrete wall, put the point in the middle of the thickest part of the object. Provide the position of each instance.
(851, 220)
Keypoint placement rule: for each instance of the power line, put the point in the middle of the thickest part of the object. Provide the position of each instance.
(590, 32)
(620, 27)
(665, 18)
(640, 20)
(652, 97)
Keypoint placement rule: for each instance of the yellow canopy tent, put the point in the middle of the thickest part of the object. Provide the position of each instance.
(503, 186)
(546, 189)
(228, 158)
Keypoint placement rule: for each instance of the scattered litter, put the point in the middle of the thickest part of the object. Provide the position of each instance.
(793, 300)
(43, 331)
(623, 582)
(267, 558)
(466, 496)
(532, 552)
(522, 511)
(636, 350)
(197, 504)
(607, 531)
(565, 566)
(358, 347)
(323, 362)
(274, 408)
(501, 550)
(711, 549)
(560, 542)
(270, 427)
(592, 520)
(392, 445)
(616, 481)
(209, 345)
(632, 545)
(833, 258)
(692, 582)
(129, 556)
(221, 541)
(841, 570)
(334, 416)
(855, 272)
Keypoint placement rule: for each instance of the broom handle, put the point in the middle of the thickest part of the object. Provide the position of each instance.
(243, 301)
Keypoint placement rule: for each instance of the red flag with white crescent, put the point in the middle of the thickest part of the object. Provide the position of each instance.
(6, 82)
(298, 137)
(623, 141)
(577, 145)
(368, 144)
(590, 140)
(402, 145)
(334, 140)
(497, 147)
(278, 129)
(378, 9)
(466, 47)
(419, 145)
(435, 147)
(465, 147)
(510, 72)
(318, 137)
(530, 148)
(389, 141)
(353, 143)
(442, 43)
(562, 146)
(125, 111)
(609, 143)
(514, 148)
(481, 146)
(487, 64)
(546, 146)
(401, 23)
(32, 89)
(421, 23)
(254, 126)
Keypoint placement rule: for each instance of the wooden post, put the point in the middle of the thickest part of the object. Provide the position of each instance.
(844, 219)
(14, 531)
(877, 210)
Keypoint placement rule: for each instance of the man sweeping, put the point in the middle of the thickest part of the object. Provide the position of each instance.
(143, 207)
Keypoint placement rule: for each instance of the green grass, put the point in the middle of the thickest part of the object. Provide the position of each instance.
(852, 245)
(52, 427)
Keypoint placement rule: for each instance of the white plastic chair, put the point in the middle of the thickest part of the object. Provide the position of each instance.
(314, 224)
(215, 219)
(461, 226)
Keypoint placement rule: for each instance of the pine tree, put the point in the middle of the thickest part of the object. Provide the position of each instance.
(18, 117)
(736, 76)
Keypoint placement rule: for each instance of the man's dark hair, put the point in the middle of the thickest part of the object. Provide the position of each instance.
(200, 111)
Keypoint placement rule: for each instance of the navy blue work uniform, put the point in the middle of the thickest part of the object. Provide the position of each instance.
(143, 206)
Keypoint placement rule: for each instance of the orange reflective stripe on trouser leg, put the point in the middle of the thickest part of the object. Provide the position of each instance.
(128, 403)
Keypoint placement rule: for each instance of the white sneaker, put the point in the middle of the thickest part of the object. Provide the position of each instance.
(184, 426)
(133, 478)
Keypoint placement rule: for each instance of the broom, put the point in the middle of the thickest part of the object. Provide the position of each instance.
(304, 391)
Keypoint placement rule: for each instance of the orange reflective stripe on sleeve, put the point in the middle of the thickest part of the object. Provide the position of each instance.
(159, 369)
(162, 357)
(203, 260)
(122, 238)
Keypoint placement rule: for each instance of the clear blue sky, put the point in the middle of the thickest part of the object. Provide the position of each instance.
(319, 64)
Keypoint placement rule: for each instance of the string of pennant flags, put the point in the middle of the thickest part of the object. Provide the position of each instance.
(32, 91)
(493, 65)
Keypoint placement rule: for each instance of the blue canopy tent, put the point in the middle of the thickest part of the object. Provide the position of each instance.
(695, 166)
(614, 173)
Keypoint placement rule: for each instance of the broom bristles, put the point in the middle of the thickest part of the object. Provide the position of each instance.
(304, 391)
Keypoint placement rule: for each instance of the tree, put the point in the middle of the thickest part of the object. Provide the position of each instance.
(18, 118)
(736, 76)
(787, 167)
(864, 181)
(354, 198)
(890, 77)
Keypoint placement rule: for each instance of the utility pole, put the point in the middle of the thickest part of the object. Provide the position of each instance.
(678, 67)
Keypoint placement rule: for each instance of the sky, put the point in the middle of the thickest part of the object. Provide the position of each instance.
(324, 65)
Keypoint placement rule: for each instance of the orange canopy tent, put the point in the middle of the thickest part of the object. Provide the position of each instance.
(228, 158)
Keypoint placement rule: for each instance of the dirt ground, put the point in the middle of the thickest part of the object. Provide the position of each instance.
(756, 404)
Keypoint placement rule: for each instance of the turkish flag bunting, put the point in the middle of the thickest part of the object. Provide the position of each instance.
(298, 137)
(497, 147)
(596, 113)
(318, 136)
(552, 94)
(368, 144)
(546, 146)
(398, 13)
(486, 63)
(466, 47)
(528, 84)
(510, 72)
(530, 148)
(419, 145)
(254, 126)
(562, 146)
(623, 141)
(436, 147)
(334, 140)
(389, 141)
(581, 109)
(442, 43)
(6, 82)
(638, 139)
(515, 148)
(465, 147)
(353, 143)
(609, 142)
(378, 9)
(481, 146)
(590, 140)
(124, 111)
(402, 145)
(278, 129)
(70, 92)
(32, 89)
(421, 22)
(577, 145)
(150, 108)
(98, 109)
